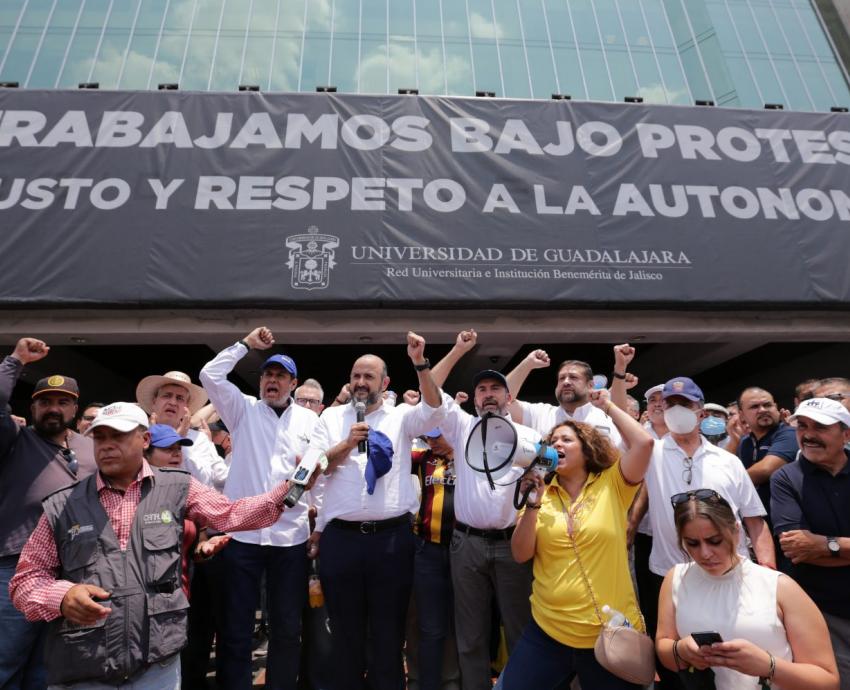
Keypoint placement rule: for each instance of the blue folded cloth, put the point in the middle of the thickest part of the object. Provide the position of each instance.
(379, 451)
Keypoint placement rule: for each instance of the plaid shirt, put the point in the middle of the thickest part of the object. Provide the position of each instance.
(37, 593)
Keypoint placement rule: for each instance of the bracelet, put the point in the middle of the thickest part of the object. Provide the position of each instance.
(676, 656)
(764, 681)
(533, 506)
(618, 376)
(422, 367)
(340, 402)
(242, 342)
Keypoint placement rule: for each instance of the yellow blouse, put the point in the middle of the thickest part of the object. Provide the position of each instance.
(560, 601)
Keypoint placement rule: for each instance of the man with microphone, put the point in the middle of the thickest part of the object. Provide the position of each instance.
(365, 523)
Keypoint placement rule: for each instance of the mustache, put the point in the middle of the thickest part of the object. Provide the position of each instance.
(812, 442)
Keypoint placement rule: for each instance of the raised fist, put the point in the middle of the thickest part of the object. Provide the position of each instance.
(623, 355)
(466, 340)
(538, 359)
(30, 350)
(260, 339)
(415, 347)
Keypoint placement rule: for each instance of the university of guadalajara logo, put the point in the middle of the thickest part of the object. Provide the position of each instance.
(311, 258)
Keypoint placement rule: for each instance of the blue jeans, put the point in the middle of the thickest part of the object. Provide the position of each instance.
(21, 643)
(432, 588)
(542, 663)
(242, 567)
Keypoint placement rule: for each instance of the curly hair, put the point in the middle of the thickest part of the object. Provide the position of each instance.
(598, 452)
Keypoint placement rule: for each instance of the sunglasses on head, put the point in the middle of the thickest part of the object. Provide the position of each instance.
(697, 495)
(71, 458)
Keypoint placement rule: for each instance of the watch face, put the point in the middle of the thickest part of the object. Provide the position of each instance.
(833, 546)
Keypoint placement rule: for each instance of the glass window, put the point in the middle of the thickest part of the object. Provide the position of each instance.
(656, 22)
(621, 73)
(315, 70)
(373, 54)
(745, 88)
(344, 62)
(542, 73)
(10, 10)
(459, 76)
(765, 76)
(402, 60)
(199, 55)
(769, 28)
(678, 90)
(723, 26)
(570, 72)
(596, 73)
(515, 71)
(114, 44)
(838, 83)
(650, 86)
(812, 26)
(46, 68)
(287, 46)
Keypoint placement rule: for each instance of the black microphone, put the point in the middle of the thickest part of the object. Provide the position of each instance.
(360, 409)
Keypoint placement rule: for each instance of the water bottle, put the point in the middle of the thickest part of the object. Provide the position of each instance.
(614, 619)
(314, 587)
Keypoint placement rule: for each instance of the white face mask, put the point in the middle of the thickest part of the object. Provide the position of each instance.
(680, 420)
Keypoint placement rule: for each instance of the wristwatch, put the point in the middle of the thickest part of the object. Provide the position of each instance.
(422, 367)
(833, 546)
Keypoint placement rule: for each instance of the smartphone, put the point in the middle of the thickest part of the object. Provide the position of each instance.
(706, 637)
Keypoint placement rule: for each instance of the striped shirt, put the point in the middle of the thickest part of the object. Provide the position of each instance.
(436, 518)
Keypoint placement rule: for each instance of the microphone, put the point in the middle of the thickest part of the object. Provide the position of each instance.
(301, 476)
(360, 409)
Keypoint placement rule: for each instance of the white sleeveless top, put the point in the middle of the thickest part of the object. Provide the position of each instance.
(739, 604)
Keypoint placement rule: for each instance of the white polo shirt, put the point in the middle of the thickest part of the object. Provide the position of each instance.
(343, 492)
(544, 417)
(713, 468)
(265, 447)
(475, 503)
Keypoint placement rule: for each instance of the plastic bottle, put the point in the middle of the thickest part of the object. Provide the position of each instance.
(614, 619)
(314, 587)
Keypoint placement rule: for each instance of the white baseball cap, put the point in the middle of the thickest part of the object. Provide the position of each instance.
(121, 416)
(714, 407)
(823, 411)
(653, 391)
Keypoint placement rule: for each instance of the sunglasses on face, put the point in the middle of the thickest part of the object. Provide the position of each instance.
(71, 458)
(308, 402)
(697, 495)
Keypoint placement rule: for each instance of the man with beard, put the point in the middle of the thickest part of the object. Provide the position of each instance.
(34, 462)
(480, 553)
(770, 444)
(810, 516)
(572, 390)
(365, 521)
(269, 437)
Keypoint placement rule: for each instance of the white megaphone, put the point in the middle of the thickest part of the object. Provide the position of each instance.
(496, 446)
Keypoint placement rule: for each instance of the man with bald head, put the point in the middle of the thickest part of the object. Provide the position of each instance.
(770, 444)
(365, 522)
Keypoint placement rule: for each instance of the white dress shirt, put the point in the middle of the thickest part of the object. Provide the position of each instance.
(265, 447)
(544, 417)
(713, 468)
(203, 461)
(476, 504)
(343, 493)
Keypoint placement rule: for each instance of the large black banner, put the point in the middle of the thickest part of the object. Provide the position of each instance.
(170, 198)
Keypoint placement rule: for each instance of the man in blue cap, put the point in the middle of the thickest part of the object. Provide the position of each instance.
(684, 461)
(269, 436)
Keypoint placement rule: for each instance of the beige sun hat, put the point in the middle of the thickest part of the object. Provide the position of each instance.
(148, 386)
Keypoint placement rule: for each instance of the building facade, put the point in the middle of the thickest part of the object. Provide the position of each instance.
(735, 53)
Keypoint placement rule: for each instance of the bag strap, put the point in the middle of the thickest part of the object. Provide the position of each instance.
(568, 518)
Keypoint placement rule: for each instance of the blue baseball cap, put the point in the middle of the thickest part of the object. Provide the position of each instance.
(284, 361)
(434, 433)
(164, 436)
(682, 385)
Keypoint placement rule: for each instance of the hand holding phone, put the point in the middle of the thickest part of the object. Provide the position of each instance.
(706, 637)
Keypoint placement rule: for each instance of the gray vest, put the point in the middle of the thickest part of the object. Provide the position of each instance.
(149, 607)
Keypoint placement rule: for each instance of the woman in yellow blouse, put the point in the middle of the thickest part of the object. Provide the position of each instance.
(576, 534)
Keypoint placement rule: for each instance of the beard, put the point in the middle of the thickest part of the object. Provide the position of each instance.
(50, 424)
(368, 397)
(570, 396)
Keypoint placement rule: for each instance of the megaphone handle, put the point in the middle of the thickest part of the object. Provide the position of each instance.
(519, 503)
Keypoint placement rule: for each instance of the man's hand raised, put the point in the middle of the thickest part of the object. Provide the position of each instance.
(466, 340)
(30, 350)
(623, 356)
(538, 359)
(259, 339)
(415, 347)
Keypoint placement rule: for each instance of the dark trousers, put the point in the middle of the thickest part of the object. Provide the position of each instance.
(541, 662)
(432, 589)
(286, 589)
(367, 581)
(202, 624)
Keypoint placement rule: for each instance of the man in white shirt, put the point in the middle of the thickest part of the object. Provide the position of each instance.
(172, 399)
(572, 390)
(683, 461)
(365, 520)
(269, 437)
(481, 562)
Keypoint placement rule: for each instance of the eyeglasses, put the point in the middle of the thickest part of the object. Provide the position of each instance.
(837, 396)
(698, 495)
(688, 472)
(307, 402)
(71, 458)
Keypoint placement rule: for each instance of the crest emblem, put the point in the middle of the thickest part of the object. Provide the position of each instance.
(55, 381)
(311, 258)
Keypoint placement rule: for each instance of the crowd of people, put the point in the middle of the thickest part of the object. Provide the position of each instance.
(397, 543)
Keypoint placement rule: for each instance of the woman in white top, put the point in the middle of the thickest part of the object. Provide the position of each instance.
(773, 634)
